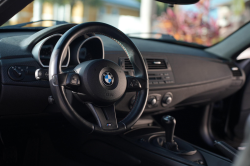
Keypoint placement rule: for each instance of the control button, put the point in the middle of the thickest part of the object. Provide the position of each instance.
(169, 82)
(133, 84)
(150, 83)
(167, 78)
(166, 74)
(46, 74)
(155, 82)
(109, 124)
(17, 72)
(161, 82)
(51, 100)
(42, 74)
(152, 101)
(167, 99)
(72, 80)
(30, 70)
(201, 162)
(21, 73)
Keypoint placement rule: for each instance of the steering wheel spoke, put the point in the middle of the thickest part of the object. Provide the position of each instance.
(69, 80)
(135, 84)
(105, 116)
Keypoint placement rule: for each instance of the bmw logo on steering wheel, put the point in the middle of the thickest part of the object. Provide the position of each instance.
(107, 78)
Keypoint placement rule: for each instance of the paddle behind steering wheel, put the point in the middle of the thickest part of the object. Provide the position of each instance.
(99, 83)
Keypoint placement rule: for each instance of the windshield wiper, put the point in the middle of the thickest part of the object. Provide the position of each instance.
(149, 35)
(31, 22)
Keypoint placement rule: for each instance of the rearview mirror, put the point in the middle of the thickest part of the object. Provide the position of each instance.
(180, 2)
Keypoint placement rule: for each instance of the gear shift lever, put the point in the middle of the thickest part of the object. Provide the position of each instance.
(174, 144)
(168, 123)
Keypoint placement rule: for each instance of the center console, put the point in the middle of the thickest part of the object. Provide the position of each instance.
(176, 145)
(160, 74)
(164, 143)
(145, 146)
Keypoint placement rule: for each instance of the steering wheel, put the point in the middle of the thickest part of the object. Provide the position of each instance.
(99, 83)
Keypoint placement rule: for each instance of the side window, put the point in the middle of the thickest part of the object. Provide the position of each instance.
(244, 55)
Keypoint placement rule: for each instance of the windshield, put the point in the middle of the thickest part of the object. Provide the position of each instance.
(205, 23)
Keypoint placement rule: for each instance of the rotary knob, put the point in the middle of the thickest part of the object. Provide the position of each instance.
(152, 101)
(167, 99)
(16, 73)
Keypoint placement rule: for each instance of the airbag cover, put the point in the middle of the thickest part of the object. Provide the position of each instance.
(103, 80)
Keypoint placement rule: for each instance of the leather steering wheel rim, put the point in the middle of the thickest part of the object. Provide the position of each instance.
(134, 56)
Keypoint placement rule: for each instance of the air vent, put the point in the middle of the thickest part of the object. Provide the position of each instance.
(128, 64)
(156, 64)
(235, 70)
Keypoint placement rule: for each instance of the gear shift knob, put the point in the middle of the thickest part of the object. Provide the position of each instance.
(168, 123)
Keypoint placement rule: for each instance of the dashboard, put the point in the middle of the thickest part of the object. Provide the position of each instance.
(179, 76)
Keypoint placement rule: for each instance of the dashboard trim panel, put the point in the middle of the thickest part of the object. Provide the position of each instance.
(37, 49)
(200, 77)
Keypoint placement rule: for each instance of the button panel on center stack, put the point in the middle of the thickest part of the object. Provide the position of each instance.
(161, 78)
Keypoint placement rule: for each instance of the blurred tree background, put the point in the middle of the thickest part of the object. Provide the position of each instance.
(198, 26)
(192, 26)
